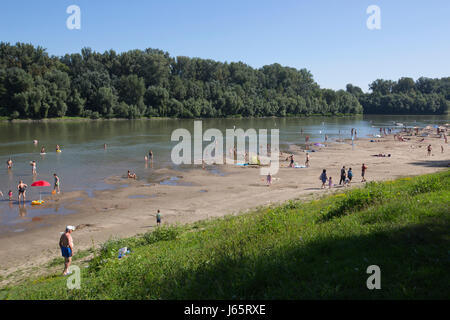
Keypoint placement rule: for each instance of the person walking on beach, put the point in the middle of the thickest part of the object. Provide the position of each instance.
(21, 187)
(66, 245)
(9, 163)
(158, 218)
(324, 178)
(343, 175)
(269, 179)
(56, 186)
(429, 150)
(307, 160)
(363, 172)
(349, 175)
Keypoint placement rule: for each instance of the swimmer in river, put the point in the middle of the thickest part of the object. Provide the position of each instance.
(21, 187)
(10, 195)
(150, 155)
(104, 146)
(131, 175)
(9, 164)
(42, 149)
(58, 148)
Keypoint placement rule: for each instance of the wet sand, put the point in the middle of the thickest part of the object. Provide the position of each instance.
(202, 194)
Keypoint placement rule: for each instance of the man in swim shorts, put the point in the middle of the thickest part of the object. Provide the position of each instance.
(363, 172)
(66, 245)
(56, 186)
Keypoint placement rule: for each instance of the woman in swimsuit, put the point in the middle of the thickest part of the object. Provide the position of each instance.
(21, 187)
(56, 186)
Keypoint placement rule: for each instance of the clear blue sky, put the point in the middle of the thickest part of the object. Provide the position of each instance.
(329, 38)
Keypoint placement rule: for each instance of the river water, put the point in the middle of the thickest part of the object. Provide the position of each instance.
(83, 163)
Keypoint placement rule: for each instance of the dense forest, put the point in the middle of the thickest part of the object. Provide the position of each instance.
(151, 83)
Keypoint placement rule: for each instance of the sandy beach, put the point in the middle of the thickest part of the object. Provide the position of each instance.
(202, 194)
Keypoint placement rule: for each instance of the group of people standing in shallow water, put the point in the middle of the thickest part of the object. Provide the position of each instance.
(346, 177)
(21, 187)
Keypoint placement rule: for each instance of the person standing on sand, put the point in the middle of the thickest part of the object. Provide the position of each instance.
(150, 155)
(343, 175)
(158, 218)
(324, 178)
(56, 186)
(363, 172)
(429, 150)
(307, 160)
(350, 176)
(330, 183)
(66, 245)
(269, 179)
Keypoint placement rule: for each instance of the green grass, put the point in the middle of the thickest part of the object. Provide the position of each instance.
(314, 250)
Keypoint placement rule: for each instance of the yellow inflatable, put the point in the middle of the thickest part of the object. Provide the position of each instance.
(37, 202)
(58, 150)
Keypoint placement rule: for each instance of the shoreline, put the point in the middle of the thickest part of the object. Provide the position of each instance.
(201, 194)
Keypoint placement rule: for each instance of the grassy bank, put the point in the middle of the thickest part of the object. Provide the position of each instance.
(315, 250)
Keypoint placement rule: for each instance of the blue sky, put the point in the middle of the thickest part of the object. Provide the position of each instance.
(329, 38)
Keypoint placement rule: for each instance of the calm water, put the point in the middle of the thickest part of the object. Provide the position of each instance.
(84, 164)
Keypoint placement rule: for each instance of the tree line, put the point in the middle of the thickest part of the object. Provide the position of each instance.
(405, 96)
(151, 83)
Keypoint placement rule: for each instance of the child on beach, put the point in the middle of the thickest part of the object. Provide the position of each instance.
(324, 178)
(158, 218)
(10, 194)
(330, 183)
(269, 179)
(429, 150)
(131, 175)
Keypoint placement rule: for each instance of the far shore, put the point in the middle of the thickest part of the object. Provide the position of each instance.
(202, 194)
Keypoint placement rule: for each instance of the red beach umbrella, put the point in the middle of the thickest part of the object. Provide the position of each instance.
(41, 183)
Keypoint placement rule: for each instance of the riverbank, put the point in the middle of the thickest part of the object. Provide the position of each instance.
(202, 194)
(300, 250)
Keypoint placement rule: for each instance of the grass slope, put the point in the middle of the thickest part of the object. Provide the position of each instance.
(315, 250)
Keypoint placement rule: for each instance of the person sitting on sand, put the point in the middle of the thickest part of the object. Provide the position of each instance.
(66, 245)
(131, 175)
(324, 178)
